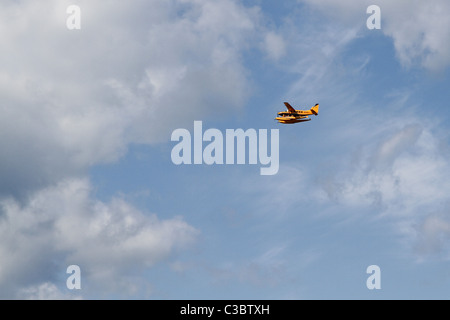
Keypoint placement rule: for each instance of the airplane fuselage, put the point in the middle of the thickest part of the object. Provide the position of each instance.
(296, 113)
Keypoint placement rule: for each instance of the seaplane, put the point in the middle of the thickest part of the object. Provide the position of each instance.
(295, 116)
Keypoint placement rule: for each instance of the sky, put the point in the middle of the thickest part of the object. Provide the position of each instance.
(87, 177)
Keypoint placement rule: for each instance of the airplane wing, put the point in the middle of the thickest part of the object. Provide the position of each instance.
(289, 107)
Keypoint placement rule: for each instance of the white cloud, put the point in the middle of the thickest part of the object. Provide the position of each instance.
(274, 45)
(396, 144)
(45, 291)
(404, 172)
(401, 176)
(421, 37)
(62, 225)
(419, 29)
(433, 234)
(370, 165)
(313, 53)
(133, 73)
(74, 99)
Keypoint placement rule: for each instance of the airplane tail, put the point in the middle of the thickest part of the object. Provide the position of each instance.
(315, 109)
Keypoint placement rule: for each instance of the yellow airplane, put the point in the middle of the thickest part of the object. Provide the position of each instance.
(295, 116)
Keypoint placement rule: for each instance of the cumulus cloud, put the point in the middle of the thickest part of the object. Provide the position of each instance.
(419, 31)
(63, 225)
(72, 99)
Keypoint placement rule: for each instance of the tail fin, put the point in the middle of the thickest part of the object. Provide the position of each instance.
(315, 109)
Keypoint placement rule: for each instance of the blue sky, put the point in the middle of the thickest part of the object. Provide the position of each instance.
(86, 176)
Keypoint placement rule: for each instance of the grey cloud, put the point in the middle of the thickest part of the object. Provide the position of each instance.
(64, 225)
(73, 99)
(133, 73)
